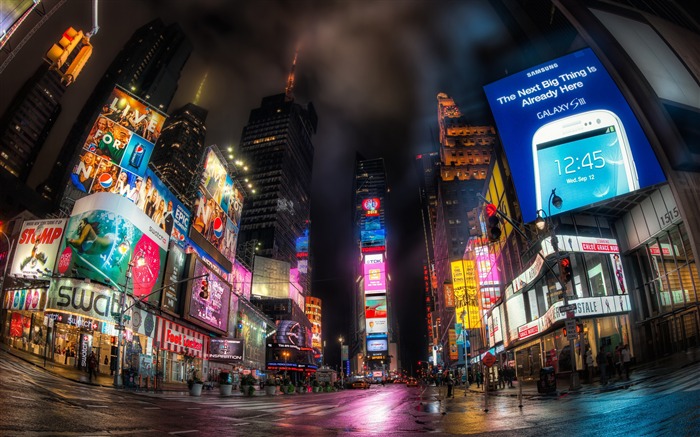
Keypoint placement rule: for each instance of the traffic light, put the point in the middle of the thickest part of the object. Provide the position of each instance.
(58, 53)
(565, 270)
(493, 222)
(579, 329)
(204, 293)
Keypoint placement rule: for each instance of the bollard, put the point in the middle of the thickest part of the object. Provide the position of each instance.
(486, 396)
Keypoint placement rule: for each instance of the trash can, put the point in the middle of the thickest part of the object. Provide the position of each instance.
(548, 380)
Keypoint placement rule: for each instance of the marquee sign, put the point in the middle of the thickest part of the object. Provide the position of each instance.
(371, 205)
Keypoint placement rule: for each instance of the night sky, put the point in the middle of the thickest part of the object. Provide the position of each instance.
(372, 70)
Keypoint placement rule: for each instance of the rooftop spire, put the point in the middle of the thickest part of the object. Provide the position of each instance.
(289, 90)
(201, 87)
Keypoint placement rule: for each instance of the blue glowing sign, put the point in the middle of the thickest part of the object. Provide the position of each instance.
(568, 127)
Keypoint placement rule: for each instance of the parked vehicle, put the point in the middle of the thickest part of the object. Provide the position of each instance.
(412, 382)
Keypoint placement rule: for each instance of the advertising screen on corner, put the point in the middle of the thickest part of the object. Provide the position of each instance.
(569, 128)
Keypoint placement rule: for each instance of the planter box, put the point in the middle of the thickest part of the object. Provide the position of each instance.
(225, 389)
(270, 390)
(246, 389)
(196, 390)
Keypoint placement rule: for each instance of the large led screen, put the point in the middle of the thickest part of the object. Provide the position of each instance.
(375, 307)
(104, 234)
(225, 350)
(568, 127)
(373, 238)
(115, 159)
(270, 278)
(209, 311)
(242, 280)
(376, 326)
(37, 247)
(375, 275)
(377, 345)
(218, 207)
(174, 272)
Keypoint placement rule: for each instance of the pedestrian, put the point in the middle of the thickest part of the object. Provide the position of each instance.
(112, 365)
(602, 363)
(479, 378)
(589, 364)
(92, 365)
(450, 382)
(626, 361)
(618, 361)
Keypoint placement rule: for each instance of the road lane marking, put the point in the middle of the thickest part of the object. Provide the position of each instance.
(97, 406)
(20, 397)
(184, 432)
(151, 408)
(194, 408)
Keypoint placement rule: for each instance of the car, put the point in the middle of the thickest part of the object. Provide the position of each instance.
(360, 384)
(412, 382)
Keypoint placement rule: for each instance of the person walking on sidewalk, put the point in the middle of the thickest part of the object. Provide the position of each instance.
(602, 364)
(92, 365)
(589, 364)
(479, 378)
(450, 382)
(626, 360)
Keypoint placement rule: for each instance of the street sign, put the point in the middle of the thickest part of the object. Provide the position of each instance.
(571, 329)
(565, 308)
(488, 360)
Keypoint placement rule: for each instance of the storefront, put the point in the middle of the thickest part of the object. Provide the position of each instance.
(181, 351)
(24, 325)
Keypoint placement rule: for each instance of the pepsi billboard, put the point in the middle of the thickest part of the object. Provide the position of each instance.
(569, 128)
(218, 208)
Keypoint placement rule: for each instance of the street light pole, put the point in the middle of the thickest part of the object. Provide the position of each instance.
(342, 384)
(118, 382)
(555, 200)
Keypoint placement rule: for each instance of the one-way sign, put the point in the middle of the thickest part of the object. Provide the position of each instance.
(566, 308)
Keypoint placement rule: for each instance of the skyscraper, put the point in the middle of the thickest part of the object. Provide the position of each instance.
(149, 67)
(465, 156)
(374, 335)
(28, 120)
(277, 145)
(181, 143)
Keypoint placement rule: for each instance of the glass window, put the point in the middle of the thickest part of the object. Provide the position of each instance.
(598, 272)
(677, 245)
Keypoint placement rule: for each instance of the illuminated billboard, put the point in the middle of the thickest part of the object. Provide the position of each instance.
(290, 332)
(376, 326)
(218, 208)
(12, 14)
(174, 272)
(242, 280)
(465, 293)
(375, 281)
(374, 258)
(568, 127)
(378, 345)
(375, 307)
(104, 234)
(225, 350)
(115, 159)
(128, 111)
(271, 278)
(209, 311)
(37, 247)
(373, 238)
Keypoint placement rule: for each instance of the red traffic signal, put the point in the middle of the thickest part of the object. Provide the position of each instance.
(204, 293)
(565, 270)
(494, 229)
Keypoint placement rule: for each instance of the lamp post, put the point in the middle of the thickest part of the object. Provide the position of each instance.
(118, 382)
(341, 339)
(546, 223)
(285, 354)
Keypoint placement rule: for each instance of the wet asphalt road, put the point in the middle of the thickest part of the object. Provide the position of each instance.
(34, 402)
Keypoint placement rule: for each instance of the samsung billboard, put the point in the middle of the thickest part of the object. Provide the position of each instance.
(568, 127)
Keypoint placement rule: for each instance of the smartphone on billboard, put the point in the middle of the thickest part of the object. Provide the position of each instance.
(585, 157)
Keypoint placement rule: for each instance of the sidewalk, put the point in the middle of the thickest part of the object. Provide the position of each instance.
(638, 373)
(102, 380)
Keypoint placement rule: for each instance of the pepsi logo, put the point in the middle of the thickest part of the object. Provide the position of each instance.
(139, 149)
(105, 180)
(218, 227)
